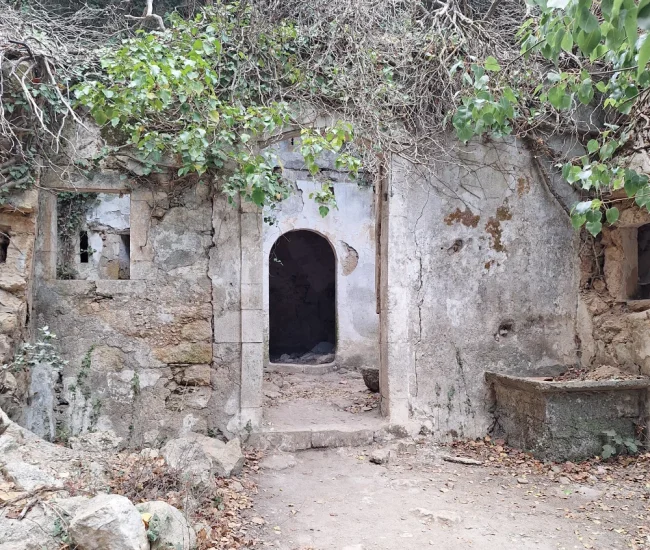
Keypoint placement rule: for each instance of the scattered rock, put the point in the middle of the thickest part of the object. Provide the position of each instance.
(522, 481)
(380, 456)
(201, 456)
(167, 527)
(324, 359)
(444, 517)
(371, 378)
(150, 453)
(109, 522)
(564, 481)
(279, 461)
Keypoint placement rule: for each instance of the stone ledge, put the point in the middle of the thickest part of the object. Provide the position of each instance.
(544, 385)
(319, 437)
(296, 368)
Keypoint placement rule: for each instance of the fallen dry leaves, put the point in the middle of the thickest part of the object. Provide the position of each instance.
(620, 486)
(215, 510)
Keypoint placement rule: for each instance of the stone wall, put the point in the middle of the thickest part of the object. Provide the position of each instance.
(479, 273)
(613, 323)
(139, 350)
(18, 232)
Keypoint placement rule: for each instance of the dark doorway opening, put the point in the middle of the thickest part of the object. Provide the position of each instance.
(302, 299)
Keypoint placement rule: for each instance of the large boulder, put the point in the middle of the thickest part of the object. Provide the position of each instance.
(200, 457)
(168, 529)
(109, 522)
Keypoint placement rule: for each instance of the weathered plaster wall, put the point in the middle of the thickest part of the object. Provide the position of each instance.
(350, 229)
(139, 350)
(478, 274)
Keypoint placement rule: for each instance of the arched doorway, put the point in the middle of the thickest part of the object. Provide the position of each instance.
(302, 298)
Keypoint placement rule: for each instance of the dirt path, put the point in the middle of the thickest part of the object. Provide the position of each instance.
(337, 499)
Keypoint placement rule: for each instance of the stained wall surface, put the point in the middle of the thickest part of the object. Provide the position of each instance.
(479, 274)
(350, 230)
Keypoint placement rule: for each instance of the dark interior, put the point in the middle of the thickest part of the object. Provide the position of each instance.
(302, 293)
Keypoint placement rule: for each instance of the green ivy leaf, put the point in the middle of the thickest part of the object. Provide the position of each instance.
(630, 25)
(578, 220)
(592, 146)
(586, 20)
(587, 42)
(644, 56)
(491, 64)
(567, 42)
(612, 215)
(586, 92)
(100, 117)
(608, 451)
(323, 211)
(559, 98)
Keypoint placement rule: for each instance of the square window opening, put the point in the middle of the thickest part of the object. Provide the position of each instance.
(93, 236)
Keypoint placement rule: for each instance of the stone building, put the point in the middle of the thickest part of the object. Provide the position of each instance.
(170, 304)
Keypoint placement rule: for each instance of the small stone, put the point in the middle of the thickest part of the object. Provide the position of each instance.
(522, 480)
(371, 378)
(200, 456)
(564, 480)
(280, 461)
(380, 456)
(27, 477)
(150, 453)
(236, 486)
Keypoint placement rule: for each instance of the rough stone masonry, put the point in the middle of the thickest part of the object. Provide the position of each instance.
(440, 275)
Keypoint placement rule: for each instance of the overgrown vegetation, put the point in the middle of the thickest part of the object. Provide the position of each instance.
(580, 61)
(210, 93)
(41, 352)
(210, 89)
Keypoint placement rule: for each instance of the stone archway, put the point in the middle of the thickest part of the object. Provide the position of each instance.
(302, 297)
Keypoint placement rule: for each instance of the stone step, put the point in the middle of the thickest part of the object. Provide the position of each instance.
(316, 437)
(297, 368)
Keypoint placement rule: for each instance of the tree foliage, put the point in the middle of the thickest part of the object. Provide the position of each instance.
(183, 98)
(574, 53)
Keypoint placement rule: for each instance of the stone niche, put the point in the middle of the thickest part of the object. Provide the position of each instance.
(566, 420)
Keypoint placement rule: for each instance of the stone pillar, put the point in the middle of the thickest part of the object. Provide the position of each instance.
(225, 273)
(396, 354)
(251, 315)
(46, 239)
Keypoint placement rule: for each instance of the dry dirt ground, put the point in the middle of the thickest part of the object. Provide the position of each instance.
(338, 499)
